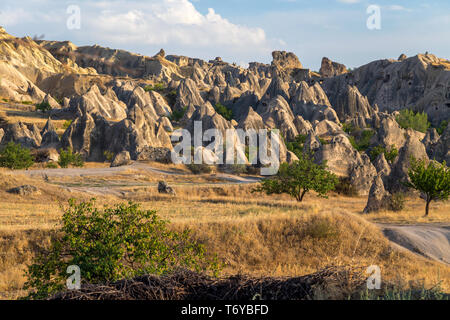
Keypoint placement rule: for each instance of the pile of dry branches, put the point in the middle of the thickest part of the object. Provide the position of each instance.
(330, 283)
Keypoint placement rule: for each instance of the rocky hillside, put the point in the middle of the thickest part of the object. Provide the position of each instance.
(119, 101)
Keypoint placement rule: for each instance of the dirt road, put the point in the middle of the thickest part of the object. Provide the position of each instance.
(431, 241)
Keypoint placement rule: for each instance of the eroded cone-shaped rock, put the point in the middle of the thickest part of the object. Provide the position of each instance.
(20, 133)
(378, 196)
(188, 95)
(121, 159)
(303, 126)
(431, 140)
(252, 121)
(412, 148)
(2, 134)
(390, 134)
(327, 128)
(361, 174)
(383, 168)
(277, 114)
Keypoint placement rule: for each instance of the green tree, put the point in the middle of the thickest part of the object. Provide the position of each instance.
(67, 157)
(43, 106)
(410, 119)
(431, 179)
(14, 156)
(110, 244)
(224, 111)
(298, 178)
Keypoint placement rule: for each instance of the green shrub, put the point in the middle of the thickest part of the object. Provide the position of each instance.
(390, 155)
(67, 157)
(224, 111)
(348, 128)
(43, 106)
(51, 165)
(27, 102)
(158, 87)
(177, 114)
(296, 146)
(199, 168)
(113, 243)
(14, 156)
(346, 188)
(397, 201)
(67, 124)
(108, 155)
(440, 130)
(363, 141)
(409, 119)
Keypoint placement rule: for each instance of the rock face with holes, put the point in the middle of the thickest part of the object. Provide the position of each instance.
(131, 105)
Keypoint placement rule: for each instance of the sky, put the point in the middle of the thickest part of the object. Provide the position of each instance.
(241, 31)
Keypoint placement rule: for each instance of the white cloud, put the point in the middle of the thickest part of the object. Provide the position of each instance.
(396, 7)
(170, 21)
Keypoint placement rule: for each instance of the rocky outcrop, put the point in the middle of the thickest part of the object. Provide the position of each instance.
(378, 196)
(413, 148)
(121, 159)
(330, 69)
(441, 151)
(343, 160)
(163, 187)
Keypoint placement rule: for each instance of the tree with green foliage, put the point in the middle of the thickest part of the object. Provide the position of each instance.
(224, 111)
(298, 178)
(14, 156)
(390, 155)
(362, 142)
(440, 130)
(409, 119)
(43, 106)
(296, 146)
(158, 87)
(432, 179)
(110, 244)
(68, 157)
(177, 115)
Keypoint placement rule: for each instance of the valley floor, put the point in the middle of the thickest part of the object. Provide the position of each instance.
(251, 233)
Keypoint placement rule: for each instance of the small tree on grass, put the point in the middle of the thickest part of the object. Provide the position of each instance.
(110, 244)
(14, 156)
(67, 157)
(298, 178)
(433, 180)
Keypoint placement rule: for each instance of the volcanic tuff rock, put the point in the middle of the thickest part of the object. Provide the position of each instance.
(102, 91)
(330, 69)
(378, 196)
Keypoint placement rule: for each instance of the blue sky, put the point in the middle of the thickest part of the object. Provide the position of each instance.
(243, 30)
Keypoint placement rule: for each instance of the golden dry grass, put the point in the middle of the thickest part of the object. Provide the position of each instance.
(252, 233)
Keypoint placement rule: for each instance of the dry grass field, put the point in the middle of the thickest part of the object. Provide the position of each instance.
(251, 233)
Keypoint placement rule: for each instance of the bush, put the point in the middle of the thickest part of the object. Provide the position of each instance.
(67, 124)
(158, 87)
(14, 156)
(108, 155)
(390, 155)
(224, 111)
(348, 128)
(363, 141)
(440, 130)
(320, 228)
(51, 165)
(177, 114)
(296, 146)
(67, 157)
(346, 188)
(199, 168)
(410, 119)
(43, 106)
(397, 201)
(298, 178)
(110, 244)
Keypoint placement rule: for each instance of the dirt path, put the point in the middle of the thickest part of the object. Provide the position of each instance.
(431, 241)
